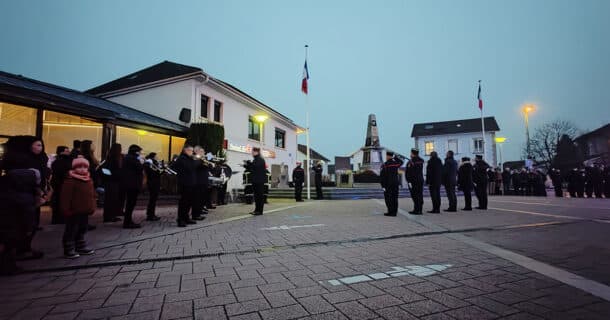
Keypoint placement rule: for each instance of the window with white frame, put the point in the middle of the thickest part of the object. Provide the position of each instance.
(452, 145)
(205, 105)
(254, 129)
(428, 147)
(280, 138)
(477, 145)
(217, 111)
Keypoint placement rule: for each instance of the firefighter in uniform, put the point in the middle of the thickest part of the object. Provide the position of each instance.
(298, 177)
(390, 182)
(415, 179)
(186, 167)
(479, 177)
(465, 182)
(258, 170)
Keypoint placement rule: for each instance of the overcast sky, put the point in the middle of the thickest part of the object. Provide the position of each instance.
(405, 61)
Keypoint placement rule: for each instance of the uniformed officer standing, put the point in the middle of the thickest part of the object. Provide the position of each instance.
(258, 170)
(465, 182)
(449, 180)
(606, 175)
(415, 178)
(556, 179)
(317, 169)
(589, 173)
(298, 177)
(390, 182)
(185, 166)
(573, 178)
(434, 176)
(201, 191)
(479, 177)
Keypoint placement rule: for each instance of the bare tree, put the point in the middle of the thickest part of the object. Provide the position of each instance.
(543, 144)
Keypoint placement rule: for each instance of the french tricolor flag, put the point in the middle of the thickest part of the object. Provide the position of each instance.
(305, 78)
(479, 97)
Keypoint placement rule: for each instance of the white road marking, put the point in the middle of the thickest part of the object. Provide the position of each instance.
(543, 214)
(548, 204)
(418, 271)
(574, 280)
(284, 227)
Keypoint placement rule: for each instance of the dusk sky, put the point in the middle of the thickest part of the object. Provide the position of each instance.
(405, 61)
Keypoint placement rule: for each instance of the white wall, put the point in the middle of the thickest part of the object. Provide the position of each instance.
(465, 146)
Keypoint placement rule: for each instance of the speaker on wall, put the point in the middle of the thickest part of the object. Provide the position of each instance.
(185, 115)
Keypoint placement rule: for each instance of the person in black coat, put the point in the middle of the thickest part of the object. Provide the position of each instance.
(523, 178)
(589, 173)
(185, 166)
(59, 170)
(580, 183)
(415, 179)
(114, 195)
(450, 180)
(390, 181)
(317, 169)
(465, 182)
(258, 171)
(598, 181)
(132, 178)
(606, 175)
(555, 175)
(153, 184)
(506, 181)
(225, 172)
(434, 175)
(202, 191)
(479, 178)
(573, 178)
(298, 178)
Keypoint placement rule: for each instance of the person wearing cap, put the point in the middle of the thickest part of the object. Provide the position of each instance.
(186, 168)
(77, 203)
(479, 177)
(258, 170)
(132, 178)
(389, 182)
(415, 178)
(450, 169)
(298, 177)
(465, 182)
(153, 184)
(434, 175)
(317, 169)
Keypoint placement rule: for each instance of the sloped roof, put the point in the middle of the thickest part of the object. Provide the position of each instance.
(76, 102)
(601, 131)
(454, 126)
(159, 71)
(312, 153)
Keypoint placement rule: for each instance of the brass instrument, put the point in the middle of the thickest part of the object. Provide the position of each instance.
(161, 168)
(205, 161)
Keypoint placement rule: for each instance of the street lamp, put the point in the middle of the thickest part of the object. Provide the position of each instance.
(260, 119)
(527, 109)
(499, 141)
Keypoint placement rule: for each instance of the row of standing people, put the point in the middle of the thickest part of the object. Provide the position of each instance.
(592, 181)
(466, 178)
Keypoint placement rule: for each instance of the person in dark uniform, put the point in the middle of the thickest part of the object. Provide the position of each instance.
(114, 196)
(434, 176)
(555, 175)
(298, 177)
(75, 149)
(450, 180)
(580, 183)
(153, 184)
(589, 173)
(598, 181)
(60, 168)
(531, 183)
(185, 166)
(201, 191)
(132, 178)
(573, 178)
(506, 181)
(607, 181)
(465, 182)
(258, 170)
(540, 187)
(479, 177)
(523, 182)
(317, 169)
(515, 178)
(415, 178)
(225, 173)
(389, 182)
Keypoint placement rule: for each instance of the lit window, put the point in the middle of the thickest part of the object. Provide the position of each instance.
(429, 147)
(17, 120)
(452, 145)
(478, 145)
(60, 129)
(217, 111)
(254, 129)
(205, 104)
(148, 141)
(280, 138)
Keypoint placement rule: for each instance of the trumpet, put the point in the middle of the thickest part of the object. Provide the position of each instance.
(161, 168)
(205, 161)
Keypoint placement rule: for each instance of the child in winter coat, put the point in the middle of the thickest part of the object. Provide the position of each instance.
(77, 202)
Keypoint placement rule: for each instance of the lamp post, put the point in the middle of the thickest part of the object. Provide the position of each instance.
(499, 141)
(527, 109)
(260, 119)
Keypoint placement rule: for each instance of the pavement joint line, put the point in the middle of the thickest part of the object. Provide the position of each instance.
(113, 244)
(545, 214)
(268, 249)
(549, 204)
(593, 287)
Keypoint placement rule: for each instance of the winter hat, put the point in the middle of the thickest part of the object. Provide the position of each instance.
(80, 162)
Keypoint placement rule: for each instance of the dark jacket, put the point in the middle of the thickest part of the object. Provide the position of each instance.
(318, 174)
(298, 176)
(202, 173)
(258, 170)
(60, 168)
(17, 201)
(77, 197)
(415, 170)
(185, 166)
(450, 169)
(434, 172)
(153, 177)
(479, 175)
(114, 166)
(465, 176)
(389, 173)
(132, 175)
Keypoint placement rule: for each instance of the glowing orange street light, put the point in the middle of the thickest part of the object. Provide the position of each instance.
(527, 109)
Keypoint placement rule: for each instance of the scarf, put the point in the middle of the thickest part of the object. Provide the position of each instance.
(83, 177)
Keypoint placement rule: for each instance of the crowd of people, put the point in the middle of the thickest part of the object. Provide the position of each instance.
(74, 181)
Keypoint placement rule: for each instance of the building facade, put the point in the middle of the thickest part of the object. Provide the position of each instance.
(184, 95)
(463, 137)
(595, 145)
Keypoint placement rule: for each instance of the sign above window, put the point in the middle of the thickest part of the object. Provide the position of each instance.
(248, 149)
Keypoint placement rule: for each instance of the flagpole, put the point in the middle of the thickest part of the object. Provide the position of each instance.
(483, 128)
(307, 137)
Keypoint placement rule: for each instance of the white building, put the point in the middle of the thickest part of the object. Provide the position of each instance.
(185, 94)
(463, 137)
